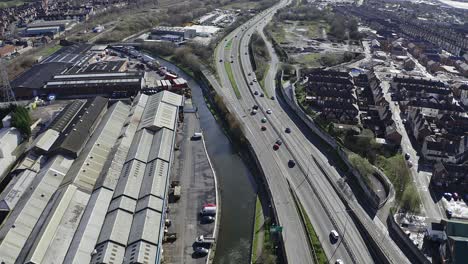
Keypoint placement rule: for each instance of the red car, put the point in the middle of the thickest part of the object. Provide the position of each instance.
(275, 147)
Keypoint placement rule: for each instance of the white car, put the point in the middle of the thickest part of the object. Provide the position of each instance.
(334, 234)
(268, 111)
(339, 261)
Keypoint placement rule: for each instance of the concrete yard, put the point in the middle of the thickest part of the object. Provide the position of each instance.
(196, 178)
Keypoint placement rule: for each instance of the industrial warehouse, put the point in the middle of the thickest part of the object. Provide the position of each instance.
(83, 71)
(93, 186)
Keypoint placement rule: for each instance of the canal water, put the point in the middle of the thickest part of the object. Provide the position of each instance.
(235, 182)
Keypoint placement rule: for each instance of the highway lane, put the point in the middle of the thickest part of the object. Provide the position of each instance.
(304, 148)
(294, 235)
(324, 221)
(327, 220)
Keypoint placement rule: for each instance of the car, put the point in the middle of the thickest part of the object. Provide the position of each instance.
(279, 142)
(225, 40)
(449, 213)
(264, 120)
(207, 219)
(268, 111)
(232, 61)
(256, 93)
(254, 111)
(272, 98)
(221, 60)
(251, 83)
(334, 234)
(201, 250)
(263, 128)
(448, 196)
(262, 95)
(407, 156)
(254, 80)
(255, 107)
(291, 163)
(455, 196)
(339, 261)
(287, 130)
(249, 73)
(232, 56)
(276, 147)
(246, 53)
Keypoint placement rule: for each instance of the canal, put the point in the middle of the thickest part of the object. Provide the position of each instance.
(235, 182)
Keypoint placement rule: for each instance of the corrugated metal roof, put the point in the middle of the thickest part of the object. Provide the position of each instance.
(87, 168)
(109, 253)
(145, 226)
(66, 116)
(141, 146)
(130, 179)
(141, 252)
(172, 98)
(45, 140)
(158, 114)
(155, 180)
(161, 146)
(30, 207)
(87, 234)
(151, 202)
(81, 128)
(15, 189)
(116, 227)
(52, 245)
(124, 203)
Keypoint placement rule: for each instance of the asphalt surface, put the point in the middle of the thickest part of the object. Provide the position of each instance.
(317, 195)
(198, 187)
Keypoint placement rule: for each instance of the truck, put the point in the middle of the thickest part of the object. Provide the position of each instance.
(176, 189)
(208, 210)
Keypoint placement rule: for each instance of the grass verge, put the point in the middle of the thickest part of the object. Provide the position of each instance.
(229, 44)
(228, 68)
(257, 227)
(317, 250)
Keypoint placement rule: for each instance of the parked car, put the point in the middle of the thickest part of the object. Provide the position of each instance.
(339, 261)
(291, 163)
(264, 120)
(201, 250)
(287, 130)
(221, 60)
(407, 156)
(256, 93)
(207, 219)
(272, 98)
(255, 107)
(268, 111)
(251, 83)
(263, 128)
(448, 196)
(262, 95)
(275, 147)
(449, 213)
(249, 73)
(279, 142)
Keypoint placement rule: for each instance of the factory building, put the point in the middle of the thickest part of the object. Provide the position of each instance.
(173, 33)
(93, 187)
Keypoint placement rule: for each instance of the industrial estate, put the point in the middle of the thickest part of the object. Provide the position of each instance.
(242, 131)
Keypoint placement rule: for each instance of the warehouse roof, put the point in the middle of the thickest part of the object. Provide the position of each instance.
(88, 166)
(130, 180)
(145, 226)
(53, 242)
(76, 134)
(66, 116)
(15, 189)
(30, 207)
(38, 75)
(116, 227)
(99, 67)
(158, 114)
(87, 233)
(156, 176)
(45, 140)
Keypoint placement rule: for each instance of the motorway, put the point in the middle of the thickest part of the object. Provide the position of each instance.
(308, 181)
(352, 248)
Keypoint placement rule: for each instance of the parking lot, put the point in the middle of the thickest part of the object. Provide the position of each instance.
(195, 176)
